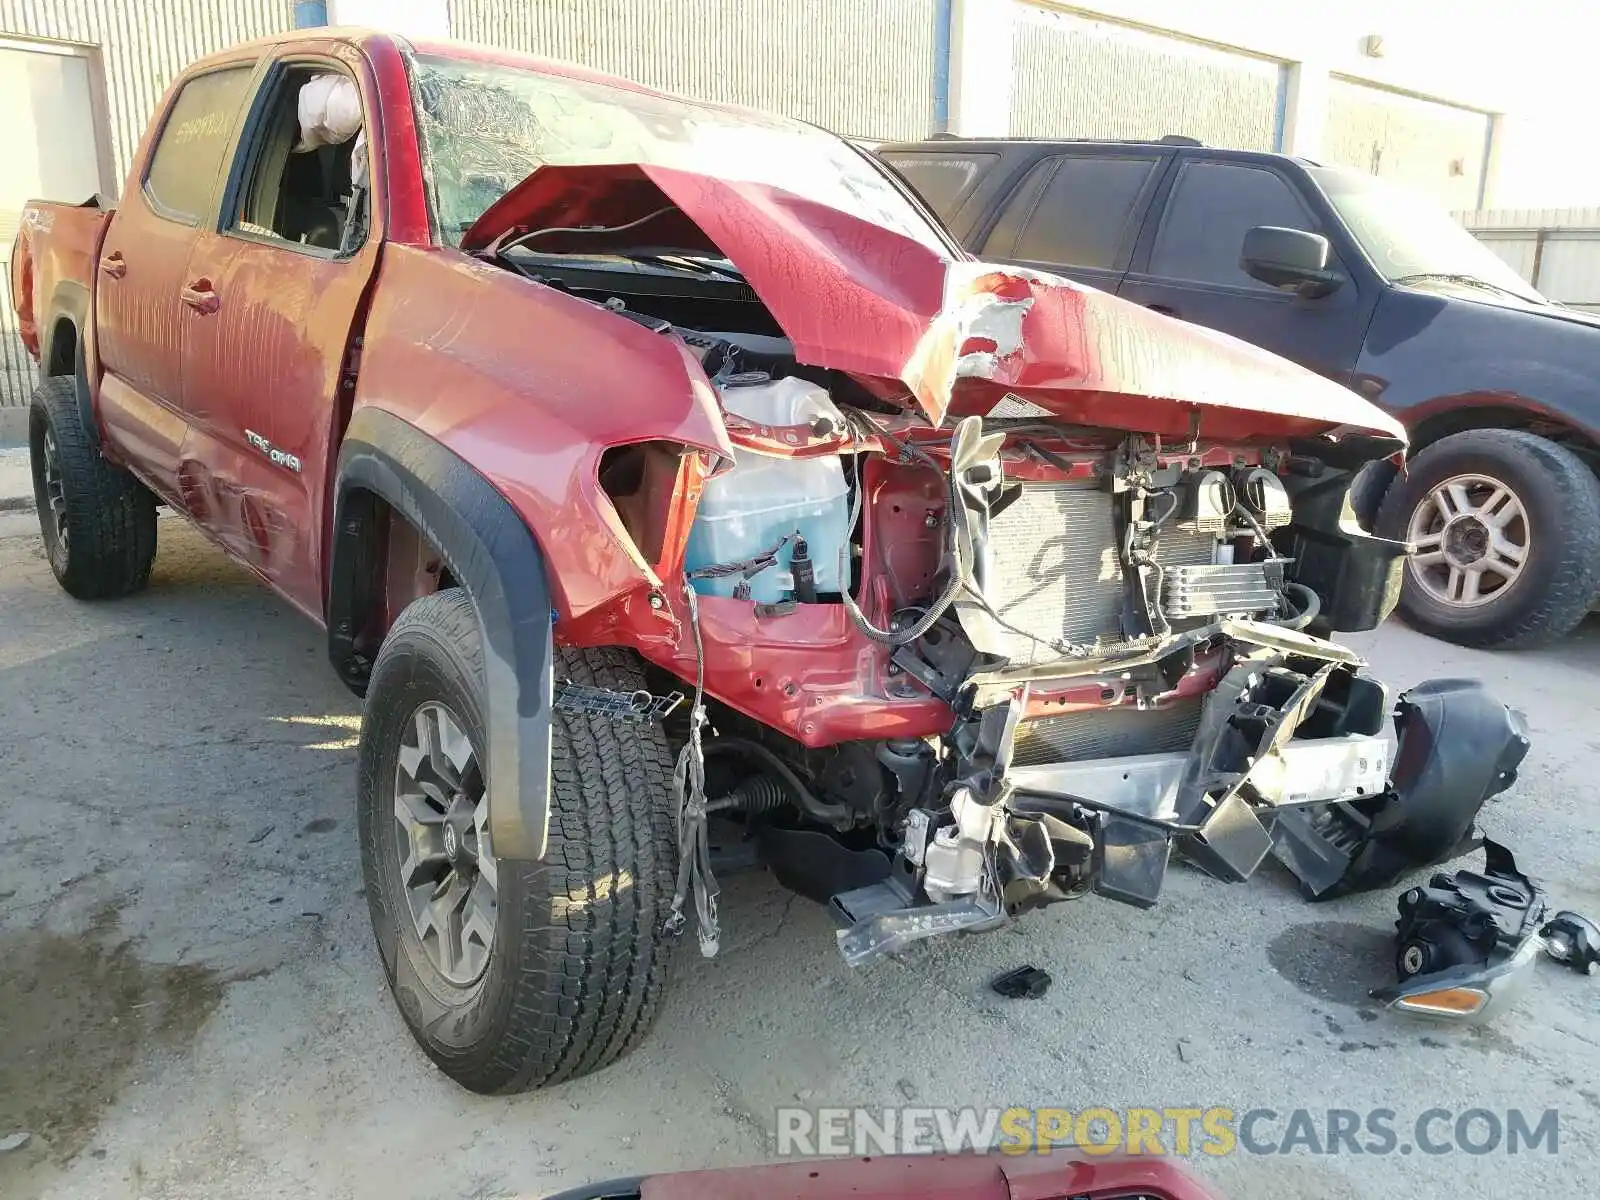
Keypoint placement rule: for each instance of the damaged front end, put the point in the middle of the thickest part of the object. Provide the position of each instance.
(1273, 740)
(1006, 587)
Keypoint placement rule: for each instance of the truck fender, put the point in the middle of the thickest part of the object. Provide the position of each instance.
(490, 552)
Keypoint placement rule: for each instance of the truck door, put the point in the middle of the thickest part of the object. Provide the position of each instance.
(1187, 266)
(286, 267)
(140, 300)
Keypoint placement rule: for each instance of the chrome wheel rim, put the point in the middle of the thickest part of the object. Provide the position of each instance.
(1471, 538)
(441, 819)
(55, 495)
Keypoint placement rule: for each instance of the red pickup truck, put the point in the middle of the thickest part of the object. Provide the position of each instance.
(557, 400)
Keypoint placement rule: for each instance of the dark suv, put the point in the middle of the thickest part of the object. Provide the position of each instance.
(1366, 284)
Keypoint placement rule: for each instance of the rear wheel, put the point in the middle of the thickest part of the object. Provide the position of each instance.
(1506, 527)
(511, 975)
(98, 522)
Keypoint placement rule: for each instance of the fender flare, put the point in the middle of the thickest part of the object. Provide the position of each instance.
(489, 550)
(71, 303)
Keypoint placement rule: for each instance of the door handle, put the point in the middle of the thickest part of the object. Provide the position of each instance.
(200, 296)
(113, 265)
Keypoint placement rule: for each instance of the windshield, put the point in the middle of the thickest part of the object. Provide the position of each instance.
(486, 127)
(1405, 234)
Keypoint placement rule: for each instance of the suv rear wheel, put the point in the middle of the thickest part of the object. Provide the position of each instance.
(511, 975)
(98, 522)
(1506, 527)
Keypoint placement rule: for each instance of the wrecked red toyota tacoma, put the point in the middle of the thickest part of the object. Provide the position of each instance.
(679, 495)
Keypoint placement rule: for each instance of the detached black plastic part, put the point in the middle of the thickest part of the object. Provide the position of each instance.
(1025, 983)
(1356, 575)
(1458, 746)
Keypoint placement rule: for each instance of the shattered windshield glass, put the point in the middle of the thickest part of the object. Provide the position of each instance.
(485, 128)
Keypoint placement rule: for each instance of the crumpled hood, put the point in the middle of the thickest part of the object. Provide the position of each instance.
(942, 332)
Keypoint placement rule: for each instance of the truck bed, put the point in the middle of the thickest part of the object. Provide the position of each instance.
(56, 244)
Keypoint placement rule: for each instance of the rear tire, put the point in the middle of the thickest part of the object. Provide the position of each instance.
(571, 977)
(1525, 505)
(98, 522)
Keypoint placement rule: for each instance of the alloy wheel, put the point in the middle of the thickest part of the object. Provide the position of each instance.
(1472, 539)
(55, 495)
(447, 869)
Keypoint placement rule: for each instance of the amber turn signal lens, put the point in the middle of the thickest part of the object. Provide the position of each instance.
(1455, 1002)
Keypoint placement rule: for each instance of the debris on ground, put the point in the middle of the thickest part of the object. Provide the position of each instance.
(1465, 942)
(1573, 940)
(1025, 983)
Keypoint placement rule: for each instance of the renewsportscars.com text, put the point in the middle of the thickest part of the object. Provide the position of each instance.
(828, 1132)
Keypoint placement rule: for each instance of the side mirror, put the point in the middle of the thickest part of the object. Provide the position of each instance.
(1290, 259)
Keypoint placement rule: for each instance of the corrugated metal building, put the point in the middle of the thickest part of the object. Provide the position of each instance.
(1555, 249)
(863, 68)
(1078, 76)
(79, 78)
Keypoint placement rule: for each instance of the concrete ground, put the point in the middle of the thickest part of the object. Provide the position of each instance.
(190, 1004)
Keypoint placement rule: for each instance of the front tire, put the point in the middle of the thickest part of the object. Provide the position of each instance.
(1507, 530)
(98, 522)
(537, 972)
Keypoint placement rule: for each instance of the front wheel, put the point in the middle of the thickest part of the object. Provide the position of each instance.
(1506, 531)
(511, 975)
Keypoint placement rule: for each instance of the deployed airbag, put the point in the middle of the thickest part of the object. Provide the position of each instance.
(330, 115)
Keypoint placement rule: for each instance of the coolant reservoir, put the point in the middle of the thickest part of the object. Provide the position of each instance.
(748, 510)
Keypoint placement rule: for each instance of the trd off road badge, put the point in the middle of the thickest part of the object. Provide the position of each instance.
(281, 458)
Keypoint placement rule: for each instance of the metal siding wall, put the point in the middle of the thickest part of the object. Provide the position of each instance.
(143, 44)
(1555, 249)
(863, 68)
(1418, 143)
(1565, 268)
(1516, 250)
(1079, 77)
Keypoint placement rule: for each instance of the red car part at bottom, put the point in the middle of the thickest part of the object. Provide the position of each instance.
(919, 1177)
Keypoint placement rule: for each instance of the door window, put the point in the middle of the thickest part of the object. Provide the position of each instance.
(194, 142)
(1074, 210)
(1212, 206)
(304, 181)
(943, 180)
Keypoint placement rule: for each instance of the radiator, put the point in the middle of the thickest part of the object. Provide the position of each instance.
(1056, 569)
(1108, 733)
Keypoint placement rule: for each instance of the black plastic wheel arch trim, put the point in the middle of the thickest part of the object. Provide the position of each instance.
(70, 307)
(490, 552)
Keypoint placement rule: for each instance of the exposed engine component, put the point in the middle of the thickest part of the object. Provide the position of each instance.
(953, 861)
(756, 796)
(1264, 495)
(1211, 590)
(1141, 594)
(759, 791)
(1207, 503)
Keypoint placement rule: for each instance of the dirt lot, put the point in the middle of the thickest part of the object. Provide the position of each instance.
(190, 1005)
